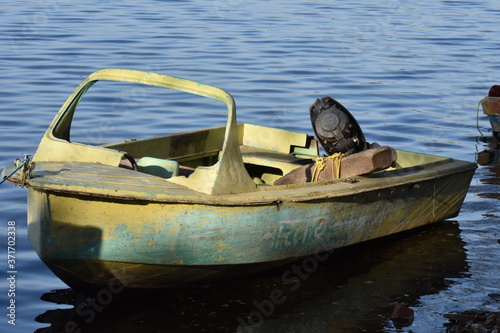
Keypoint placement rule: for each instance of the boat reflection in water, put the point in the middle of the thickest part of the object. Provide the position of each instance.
(350, 290)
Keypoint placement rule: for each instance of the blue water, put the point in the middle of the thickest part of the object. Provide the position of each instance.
(412, 73)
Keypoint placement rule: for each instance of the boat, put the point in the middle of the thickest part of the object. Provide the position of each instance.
(187, 209)
(491, 108)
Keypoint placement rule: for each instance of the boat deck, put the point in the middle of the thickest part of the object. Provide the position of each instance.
(112, 182)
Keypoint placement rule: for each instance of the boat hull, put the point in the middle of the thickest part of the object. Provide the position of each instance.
(495, 124)
(88, 240)
(491, 108)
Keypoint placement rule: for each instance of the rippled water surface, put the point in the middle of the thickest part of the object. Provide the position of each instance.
(412, 73)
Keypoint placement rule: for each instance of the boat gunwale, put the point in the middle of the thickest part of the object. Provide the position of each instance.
(277, 195)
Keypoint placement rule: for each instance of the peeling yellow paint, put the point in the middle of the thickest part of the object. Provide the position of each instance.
(220, 246)
(178, 262)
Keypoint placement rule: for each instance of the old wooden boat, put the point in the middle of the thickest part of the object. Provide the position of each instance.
(203, 205)
(491, 108)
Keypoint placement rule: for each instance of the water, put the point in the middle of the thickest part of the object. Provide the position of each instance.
(411, 73)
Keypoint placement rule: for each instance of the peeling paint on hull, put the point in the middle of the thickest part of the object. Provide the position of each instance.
(156, 245)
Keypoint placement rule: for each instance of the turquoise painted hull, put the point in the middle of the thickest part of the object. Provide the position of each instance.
(89, 240)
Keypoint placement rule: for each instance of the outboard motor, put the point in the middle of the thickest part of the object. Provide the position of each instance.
(336, 128)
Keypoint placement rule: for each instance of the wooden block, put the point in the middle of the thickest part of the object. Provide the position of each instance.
(367, 161)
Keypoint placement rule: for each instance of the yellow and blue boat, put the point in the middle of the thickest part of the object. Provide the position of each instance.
(188, 208)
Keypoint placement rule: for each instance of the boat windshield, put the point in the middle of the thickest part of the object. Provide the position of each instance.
(114, 111)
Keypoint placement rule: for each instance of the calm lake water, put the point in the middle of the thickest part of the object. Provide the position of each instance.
(412, 73)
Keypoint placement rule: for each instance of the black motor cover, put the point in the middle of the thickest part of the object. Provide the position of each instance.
(336, 128)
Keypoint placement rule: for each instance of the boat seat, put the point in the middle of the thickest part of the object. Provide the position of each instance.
(265, 157)
(158, 167)
(266, 166)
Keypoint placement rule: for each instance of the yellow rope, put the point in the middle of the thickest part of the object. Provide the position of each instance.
(321, 163)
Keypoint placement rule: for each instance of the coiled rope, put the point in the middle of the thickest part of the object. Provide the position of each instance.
(321, 164)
